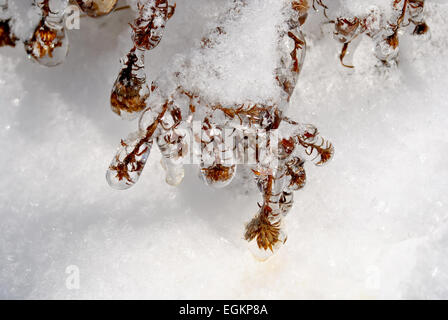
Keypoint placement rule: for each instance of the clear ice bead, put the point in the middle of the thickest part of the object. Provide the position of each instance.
(129, 162)
(171, 146)
(49, 44)
(217, 175)
(262, 254)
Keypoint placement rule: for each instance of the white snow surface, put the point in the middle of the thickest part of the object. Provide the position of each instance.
(372, 224)
(225, 73)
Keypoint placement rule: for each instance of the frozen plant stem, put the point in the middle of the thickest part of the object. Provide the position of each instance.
(171, 114)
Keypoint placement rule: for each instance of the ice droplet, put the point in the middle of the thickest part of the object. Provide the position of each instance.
(48, 45)
(217, 175)
(130, 91)
(128, 163)
(261, 254)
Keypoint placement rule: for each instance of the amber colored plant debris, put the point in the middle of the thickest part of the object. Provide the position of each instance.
(130, 90)
(6, 37)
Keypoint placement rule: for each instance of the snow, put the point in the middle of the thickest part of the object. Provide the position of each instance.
(372, 224)
(224, 74)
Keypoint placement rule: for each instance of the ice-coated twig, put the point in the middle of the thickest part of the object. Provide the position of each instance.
(169, 122)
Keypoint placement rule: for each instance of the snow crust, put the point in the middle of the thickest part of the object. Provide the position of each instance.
(224, 73)
(371, 224)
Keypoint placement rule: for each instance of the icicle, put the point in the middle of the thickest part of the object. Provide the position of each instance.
(130, 90)
(149, 26)
(97, 8)
(129, 161)
(49, 44)
(173, 146)
(218, 167)
(261, 254)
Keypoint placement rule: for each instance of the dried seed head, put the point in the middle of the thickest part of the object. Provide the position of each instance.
(266, 233)
(130, 91)
(49, 45)
(97, 8)
(129, 161)
(218, 175)
(6, 37)
(149, 26)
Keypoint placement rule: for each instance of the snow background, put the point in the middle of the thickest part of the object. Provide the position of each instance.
(372, 224)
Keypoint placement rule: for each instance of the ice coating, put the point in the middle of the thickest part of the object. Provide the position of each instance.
(129, 161)
(207, 93)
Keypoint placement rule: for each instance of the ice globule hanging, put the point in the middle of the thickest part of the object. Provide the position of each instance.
(7, 38)
(48, 45)
(129, 161)
(218, 164)
(130, 90)
(150, 23)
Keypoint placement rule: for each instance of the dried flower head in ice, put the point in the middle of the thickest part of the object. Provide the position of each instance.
(48, 45)
(218, 174)
(6, 36)
(264, 230)
(209, 116)
(130, 90)
(97, 8)
(150, 23)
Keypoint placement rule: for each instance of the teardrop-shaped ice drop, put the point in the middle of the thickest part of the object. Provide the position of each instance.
(174, 171)
(172, 146)
(218, 175)
(97, 8)
(130, 91)
(48, 45)
(262, 254)
(129, 161)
